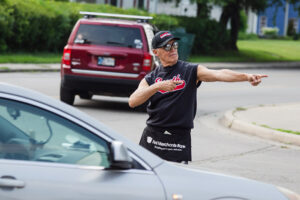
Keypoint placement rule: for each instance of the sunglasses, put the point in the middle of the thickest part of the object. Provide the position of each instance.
(168, 47)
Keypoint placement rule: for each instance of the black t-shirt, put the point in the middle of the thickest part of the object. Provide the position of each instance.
(175, 109)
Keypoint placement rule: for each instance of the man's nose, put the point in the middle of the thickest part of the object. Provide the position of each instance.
(173, 49)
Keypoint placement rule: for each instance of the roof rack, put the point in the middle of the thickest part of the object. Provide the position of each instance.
(93, 14)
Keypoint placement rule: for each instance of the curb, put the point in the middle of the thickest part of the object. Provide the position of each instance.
(261, 65)
(28, 70)
(230, 121)
(27, 67)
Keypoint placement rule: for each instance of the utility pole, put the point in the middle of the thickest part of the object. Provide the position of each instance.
(286, 17)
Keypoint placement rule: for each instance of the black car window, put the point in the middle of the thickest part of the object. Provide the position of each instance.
(34, 134)
(109, 36)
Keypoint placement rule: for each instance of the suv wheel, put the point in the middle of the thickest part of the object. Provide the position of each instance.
(86, 96)
(67, 96)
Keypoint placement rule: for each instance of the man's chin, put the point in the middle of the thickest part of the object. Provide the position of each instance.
(173, 61)
(174, 57)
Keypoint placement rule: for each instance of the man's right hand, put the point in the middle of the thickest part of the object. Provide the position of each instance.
(144, 91)
(168, 85)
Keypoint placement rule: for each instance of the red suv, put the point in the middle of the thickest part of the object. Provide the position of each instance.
(106, 56)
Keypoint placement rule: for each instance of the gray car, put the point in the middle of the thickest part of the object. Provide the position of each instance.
(50, 150)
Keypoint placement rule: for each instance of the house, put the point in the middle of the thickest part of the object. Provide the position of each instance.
(285, 18)
(153, 6)
(184, 8)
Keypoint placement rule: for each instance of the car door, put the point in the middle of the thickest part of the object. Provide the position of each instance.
(47, 154)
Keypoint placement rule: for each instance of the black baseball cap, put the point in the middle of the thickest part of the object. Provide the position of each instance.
(161, 38)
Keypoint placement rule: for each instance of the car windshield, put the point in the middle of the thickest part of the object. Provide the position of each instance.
(109, 36)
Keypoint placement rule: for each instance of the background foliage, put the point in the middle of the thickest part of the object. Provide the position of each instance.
(45, 25)
(209, 37)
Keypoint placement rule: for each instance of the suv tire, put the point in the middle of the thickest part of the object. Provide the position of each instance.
(87, 96)
(66, 95)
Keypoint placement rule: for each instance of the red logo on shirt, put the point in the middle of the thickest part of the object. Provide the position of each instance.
(178, 86)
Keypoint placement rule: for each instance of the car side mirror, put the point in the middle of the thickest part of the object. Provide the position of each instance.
(120, 158)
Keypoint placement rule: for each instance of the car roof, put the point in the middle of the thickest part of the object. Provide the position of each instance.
(32, 95)
(113, 21)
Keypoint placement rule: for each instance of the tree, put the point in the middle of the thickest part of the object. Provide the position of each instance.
(203, 6)
(231, 12)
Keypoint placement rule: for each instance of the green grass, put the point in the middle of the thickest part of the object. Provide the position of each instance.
(3, 68)
(281, 130)
(240, 109)
(30, 58)
(261, 50)
(278, 129)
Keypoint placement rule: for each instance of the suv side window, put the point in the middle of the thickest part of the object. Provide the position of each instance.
(109, 36)
(34, 134)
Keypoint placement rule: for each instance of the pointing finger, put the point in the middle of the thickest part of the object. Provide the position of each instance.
(263, 76)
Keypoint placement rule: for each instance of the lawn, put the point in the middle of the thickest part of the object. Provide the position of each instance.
(260, 50)
(30, 58)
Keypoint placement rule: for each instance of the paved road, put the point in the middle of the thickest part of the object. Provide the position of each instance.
(214, 147)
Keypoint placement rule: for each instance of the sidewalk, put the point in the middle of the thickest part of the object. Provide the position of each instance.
(13, 67)
(261, 65)
(263, 120)
(254, 120)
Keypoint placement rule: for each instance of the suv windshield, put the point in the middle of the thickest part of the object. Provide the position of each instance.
(109, 36)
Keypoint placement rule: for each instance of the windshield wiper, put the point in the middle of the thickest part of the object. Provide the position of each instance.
(112, 42)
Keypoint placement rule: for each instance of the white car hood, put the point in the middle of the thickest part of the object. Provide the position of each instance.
(201, 185)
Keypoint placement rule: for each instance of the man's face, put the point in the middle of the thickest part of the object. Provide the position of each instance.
(167, 57)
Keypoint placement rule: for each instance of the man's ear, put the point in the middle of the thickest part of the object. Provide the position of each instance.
(155, 51)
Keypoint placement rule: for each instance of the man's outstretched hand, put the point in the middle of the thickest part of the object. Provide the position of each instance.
(255, 79)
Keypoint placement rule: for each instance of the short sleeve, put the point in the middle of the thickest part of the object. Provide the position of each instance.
(149, 78)
(194, 74)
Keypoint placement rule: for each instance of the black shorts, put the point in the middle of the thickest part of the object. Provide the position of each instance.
(172, 145)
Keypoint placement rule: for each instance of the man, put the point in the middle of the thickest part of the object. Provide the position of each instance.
(172, 90)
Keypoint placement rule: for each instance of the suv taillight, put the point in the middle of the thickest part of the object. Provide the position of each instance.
(147, 62)
(67, 57)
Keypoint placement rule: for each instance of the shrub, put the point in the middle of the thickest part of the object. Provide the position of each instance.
(5, 27)
(270, 32)
(31, 26)
(291, 30)
(40, 25)
(243, 21)
(247, 36)
(209, 36)
(296, 36)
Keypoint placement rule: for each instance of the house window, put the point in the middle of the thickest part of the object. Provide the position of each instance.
(262, 23)
(113, 2)
(293, 26)
(140, 4)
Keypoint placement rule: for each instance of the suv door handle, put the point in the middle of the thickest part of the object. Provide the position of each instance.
(11, 182)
